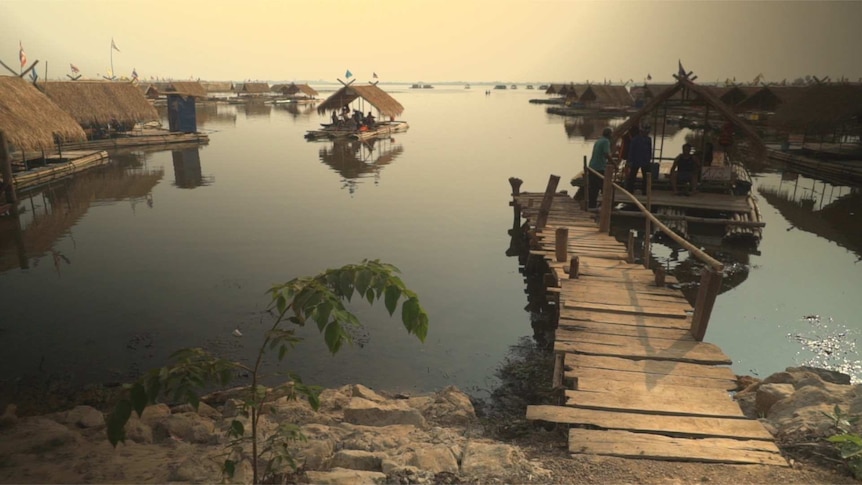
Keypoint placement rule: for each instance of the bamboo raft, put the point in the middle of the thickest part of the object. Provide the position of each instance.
(384, 128)
(56, 168)
(634, 381)
(147, 137)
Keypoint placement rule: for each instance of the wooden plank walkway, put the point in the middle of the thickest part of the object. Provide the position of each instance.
(637, 384)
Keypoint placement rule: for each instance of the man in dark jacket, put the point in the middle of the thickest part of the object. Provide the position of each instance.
(639, 157)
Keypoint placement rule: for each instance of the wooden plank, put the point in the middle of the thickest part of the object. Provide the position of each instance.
(624, 319)
(665, 310)
(570, 330)
(650, 288)
(653, 423)
(620, 296)
(575, 373)
(664, 368)
(655, 349)
(655, 386)
(670, 402)
(649, 446)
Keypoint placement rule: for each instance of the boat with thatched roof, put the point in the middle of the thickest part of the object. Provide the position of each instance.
(722, 201)
(31, 126)
(352, 123)
(118, 114)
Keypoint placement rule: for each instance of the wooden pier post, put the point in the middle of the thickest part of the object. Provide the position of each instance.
(6, 171)
(607, 200)
(648, 224)
(545, 208)
(586, 199)
(516, 185)
(659, 276)
(710, 284)
(574, 267)
(562, 244)
(630, 247)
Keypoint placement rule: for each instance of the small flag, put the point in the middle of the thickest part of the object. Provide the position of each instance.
(114, 46)
(134, 73)
(21, 55)
(649, 77)
(374, 75)
(348, 74)
(74, 68)
(681, 70)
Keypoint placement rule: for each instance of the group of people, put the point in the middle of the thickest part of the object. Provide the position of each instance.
(638, 153)
(353, 121)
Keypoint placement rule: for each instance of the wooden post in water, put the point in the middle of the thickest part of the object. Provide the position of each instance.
(710, 284)
(6, 171)
(648, 223)
(574, 267)
(607, 200)
(659, 276)
(562, 244)
(545, 208)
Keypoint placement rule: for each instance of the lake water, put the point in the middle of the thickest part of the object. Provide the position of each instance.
(116, 269)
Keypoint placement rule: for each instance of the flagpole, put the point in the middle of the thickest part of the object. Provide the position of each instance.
(112, 58)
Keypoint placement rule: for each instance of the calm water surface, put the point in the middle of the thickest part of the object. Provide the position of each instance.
(170, 249)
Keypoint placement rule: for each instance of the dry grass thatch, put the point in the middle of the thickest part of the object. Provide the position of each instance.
(769, 98)
(253, 88)
(822, 109)
(30, 120)
(100, 102)
(385, 104)
(217, 86)
(736, 94)
(606, 95)
(294, 89)
(186, 88)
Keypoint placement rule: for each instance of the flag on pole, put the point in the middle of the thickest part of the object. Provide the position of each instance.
(134, 74)
(114, 46)
(74, 68)
(649, 77)
(374, 75)
(21, 55)
(348, 74)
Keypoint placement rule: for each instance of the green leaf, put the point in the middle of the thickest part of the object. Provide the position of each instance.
(333, 336)
(236, 429)
(321, 314)
(391, 299)
(369, 295)
(421, 329)
(138, 396)
(193, 399)
(229, 468)
(363, 280)
(409, 313)
(117, 421)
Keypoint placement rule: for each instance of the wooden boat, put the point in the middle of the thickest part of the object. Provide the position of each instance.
(335, 132)
(723, 201)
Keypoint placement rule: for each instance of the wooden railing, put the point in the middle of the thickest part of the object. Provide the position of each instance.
(710, 280)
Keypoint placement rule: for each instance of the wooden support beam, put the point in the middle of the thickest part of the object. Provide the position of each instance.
(562, 244)
(607, 200)
(647, 250)
(659, 276)
(516, 185)
(710, 284)
(574, 267)
(6, 171)
(547, 200)
(630, 247)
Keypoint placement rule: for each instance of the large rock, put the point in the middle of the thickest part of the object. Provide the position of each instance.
(138, 431)
(188, 427)
(827, 375)
(490, 459)
(435, 459)
(35, 435)
(82, 417)
(357, 460)
(197, 469)
(450, 407)
(769, 394)
(369, 413)
(342, 476)
(203, 409)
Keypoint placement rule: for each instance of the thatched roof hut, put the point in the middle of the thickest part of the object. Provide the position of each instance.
(651, 91)
(385, 104)
(186, 89)
(822, 109)
(100, 102)
(737, 94)
(702, 96)
(253, 88)
(769, 98)
(217, 86)
(555, 88)
(293, 89)
(30, 120)
(605, 95)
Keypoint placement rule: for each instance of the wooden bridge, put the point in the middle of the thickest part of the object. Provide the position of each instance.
(636, 379)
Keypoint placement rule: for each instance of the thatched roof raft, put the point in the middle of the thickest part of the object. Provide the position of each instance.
(385, 104)
(30, 120)
(217, 86)
(100, 102)
(822, 108)
(253, 88)
(186, 88)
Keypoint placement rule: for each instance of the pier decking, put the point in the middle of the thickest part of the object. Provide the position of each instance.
(635, 380)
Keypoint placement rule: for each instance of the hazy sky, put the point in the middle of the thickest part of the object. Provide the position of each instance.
(440, 40)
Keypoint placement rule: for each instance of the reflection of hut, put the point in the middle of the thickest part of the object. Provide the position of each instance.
(586, 128)
(355, 159)
(253, 89)
(187, 168)
(257, 108)
(101, 106)
(386, 105)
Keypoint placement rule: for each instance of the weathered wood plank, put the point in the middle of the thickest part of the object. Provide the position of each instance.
(641, 445)
(620, 296)
(656, 349)
(659, 367)
(574, 373)
(602, 285)
(569, 330)
(653, 423)
(665, 310)
(624, 319)
(675, 403)
(657, 387)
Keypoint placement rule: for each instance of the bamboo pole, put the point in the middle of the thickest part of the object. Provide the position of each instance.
(545, 208)
(647, 227)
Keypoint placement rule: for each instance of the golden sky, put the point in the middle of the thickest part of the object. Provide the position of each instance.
(440, 40)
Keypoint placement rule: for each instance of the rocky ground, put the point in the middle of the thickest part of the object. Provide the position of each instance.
(362, 436)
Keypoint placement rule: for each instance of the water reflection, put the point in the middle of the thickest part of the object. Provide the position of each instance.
(833, 212)
(256, 108)
(187, 168)
(51, 211)
(296, 110)
(358, 159)
(215, 113)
